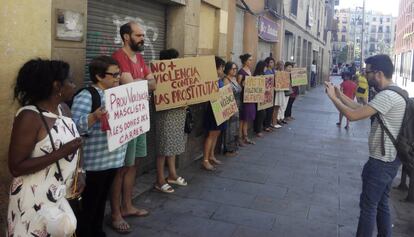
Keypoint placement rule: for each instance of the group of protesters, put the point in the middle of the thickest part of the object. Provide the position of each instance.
(45, 155)
(235, 130)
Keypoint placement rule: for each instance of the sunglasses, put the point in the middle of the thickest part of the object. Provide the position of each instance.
(115, 74)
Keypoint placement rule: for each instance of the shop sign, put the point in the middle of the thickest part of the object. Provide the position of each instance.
(268, 30)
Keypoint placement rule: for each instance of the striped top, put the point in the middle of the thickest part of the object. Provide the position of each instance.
(96, 156)
(391, 108)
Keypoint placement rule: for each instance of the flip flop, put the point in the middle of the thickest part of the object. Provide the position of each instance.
(179, 181)
(116, 226)
(165, 188)
(138, 213)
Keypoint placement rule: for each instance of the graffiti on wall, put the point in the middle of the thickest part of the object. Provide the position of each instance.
(104, 43)
(150, 29)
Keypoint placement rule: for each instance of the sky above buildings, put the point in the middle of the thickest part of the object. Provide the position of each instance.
(383, 6)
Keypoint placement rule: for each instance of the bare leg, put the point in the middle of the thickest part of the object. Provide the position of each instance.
(340, 119)
(207, 149)
(212, 157)
(128, 185)
(275, 114)
(171, 167)
(160, 170)
(115, 199)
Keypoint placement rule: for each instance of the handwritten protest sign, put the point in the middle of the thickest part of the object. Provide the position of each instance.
(269, 92)
(184, 81)
(128, 111)
(282, 81)
(225, 106)
(299, 76)
(254, 89)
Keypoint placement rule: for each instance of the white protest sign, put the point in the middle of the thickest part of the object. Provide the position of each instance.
(128, 112)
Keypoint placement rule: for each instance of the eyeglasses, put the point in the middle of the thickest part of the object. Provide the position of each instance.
(366, 72)
(234, 68)
(115, 74)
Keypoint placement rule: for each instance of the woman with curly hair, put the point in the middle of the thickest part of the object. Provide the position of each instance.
(43, 151)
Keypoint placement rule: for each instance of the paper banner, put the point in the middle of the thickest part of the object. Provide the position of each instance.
(184, 81)
(225, 106)
(128, 112)
(254, 89)
(282, 81)
(269, 93)
(299, 76)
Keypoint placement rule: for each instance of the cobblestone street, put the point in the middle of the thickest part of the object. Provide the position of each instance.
(301, 180)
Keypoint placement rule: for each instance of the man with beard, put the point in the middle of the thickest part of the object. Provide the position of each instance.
(383, 163)
(133, 68)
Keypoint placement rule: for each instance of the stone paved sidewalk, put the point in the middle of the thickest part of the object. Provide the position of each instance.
(302, 180)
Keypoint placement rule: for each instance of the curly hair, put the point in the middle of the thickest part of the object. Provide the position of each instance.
(99, 65)
(35, 79)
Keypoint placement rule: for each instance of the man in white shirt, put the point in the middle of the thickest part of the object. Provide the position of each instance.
(383, 163)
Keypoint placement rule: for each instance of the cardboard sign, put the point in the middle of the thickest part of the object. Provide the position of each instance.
(225, 106)
(128, 111)
(254, 89)
(282, 81)
(269, 92)
(184, 81)
(299, 76)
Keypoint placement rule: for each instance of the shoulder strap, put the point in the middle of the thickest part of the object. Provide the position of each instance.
(399, 91)
(51, 140)
(96, 98)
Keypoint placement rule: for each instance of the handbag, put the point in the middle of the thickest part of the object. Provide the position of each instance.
(59, 219)
(361, 90)
(189, 121)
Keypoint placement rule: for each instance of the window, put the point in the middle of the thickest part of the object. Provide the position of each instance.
(388, 30)
(373, 29)
(343, 38)
(388, 19)
(374, 19)
(343, 28)
(380, 29)
(294, 7)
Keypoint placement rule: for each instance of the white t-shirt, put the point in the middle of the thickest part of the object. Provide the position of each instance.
(391, 107)
(313, 68)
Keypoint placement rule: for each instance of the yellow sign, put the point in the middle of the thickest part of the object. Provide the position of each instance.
(269, 93)
(254, 89)
(225, 106)
(282, 81)
(184, 81)
(299, 76)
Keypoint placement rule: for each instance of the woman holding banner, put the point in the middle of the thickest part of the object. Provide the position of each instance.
(171, 139)
(100, 163)
(248, 110)
(214, 130)
(280, 101)
(261, 114)
(231, 135)
(270, 70)
(293, 93)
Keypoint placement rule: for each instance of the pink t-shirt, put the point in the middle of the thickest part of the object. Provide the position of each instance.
(349, 88)
(138, 70)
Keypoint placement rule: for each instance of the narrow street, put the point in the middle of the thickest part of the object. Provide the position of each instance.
(301, 180)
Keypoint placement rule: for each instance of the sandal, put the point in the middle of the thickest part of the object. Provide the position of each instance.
(215, 161)
(338, 124)
(207, 166)
(230, 153)
(165, 188)
(268, 130)
(248, 141)
(121, 226)
(241, 143)
(179, 181)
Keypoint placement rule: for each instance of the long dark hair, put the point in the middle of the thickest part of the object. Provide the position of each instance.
(35, 79)
(260, 67)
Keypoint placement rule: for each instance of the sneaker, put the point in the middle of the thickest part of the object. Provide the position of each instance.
(277, 126)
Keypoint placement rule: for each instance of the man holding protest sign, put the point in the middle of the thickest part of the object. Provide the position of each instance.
(133, 68)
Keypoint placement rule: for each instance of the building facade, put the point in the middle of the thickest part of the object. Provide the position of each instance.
(307, 35)
(404, 47)
(378, 35)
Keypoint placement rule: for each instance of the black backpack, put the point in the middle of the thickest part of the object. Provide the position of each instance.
(405, 139)
(96, 98)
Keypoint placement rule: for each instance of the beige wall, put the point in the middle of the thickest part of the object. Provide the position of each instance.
(71, 51)
(24, 34)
